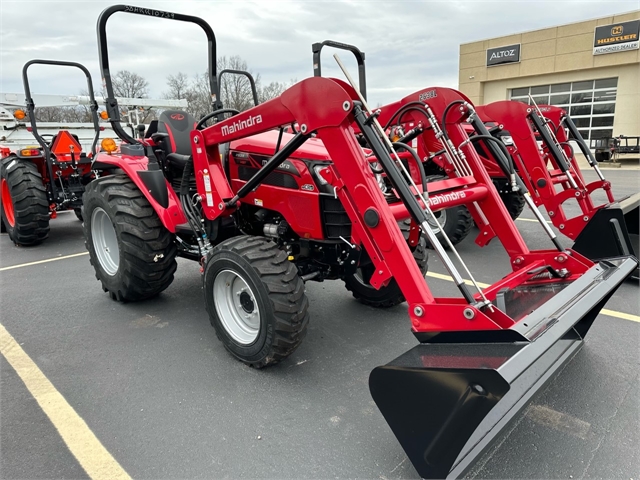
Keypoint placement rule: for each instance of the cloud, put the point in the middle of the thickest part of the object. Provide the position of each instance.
(408, 44)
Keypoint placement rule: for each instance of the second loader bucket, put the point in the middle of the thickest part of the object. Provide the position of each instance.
(446, 402)
(612, 231)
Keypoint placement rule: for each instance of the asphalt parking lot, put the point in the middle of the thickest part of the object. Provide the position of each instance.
(165, 400)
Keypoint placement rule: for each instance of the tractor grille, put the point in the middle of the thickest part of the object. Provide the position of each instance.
(335, 219)
(276, 179)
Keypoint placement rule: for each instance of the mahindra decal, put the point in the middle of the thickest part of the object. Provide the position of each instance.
(177, 116)
(445, 198)
(241, 124)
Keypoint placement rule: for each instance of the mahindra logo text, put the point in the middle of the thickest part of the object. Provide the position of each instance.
(241, 124)
(446, 197)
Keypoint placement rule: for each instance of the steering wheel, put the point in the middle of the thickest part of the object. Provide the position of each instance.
(208, 116)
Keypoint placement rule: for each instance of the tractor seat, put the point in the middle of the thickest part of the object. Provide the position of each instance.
(177, 160)
(178, 125)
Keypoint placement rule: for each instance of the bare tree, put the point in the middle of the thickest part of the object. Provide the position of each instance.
(179, 86)
(130, 85)
(235, 90)
(273, 90)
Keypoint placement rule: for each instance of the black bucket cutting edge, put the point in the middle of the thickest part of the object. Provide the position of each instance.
(447, 402)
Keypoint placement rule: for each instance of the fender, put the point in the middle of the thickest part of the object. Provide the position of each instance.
(172, 215)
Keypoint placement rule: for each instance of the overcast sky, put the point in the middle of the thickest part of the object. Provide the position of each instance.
(409, 44)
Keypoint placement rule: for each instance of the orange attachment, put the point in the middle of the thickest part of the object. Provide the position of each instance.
(19, 114)
(65, 143)
(104, 115)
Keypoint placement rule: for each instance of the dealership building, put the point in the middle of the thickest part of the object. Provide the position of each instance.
(592, 69)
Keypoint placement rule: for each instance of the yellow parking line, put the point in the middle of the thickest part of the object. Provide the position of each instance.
(81, 441)
(531, 220)
(43, 261)
(604, 311)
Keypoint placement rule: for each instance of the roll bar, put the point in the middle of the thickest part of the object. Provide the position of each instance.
(254, 91)
(111, 102)
(316, 48)
(31, 106)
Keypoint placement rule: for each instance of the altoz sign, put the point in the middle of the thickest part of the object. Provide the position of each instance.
(617, 37)
(501, 55)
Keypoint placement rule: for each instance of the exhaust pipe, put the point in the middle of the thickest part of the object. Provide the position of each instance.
(447, 402)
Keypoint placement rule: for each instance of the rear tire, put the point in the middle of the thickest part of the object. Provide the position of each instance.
(456, 222)
(391, 295)
(514, 201)
(133, 254)
(25, 209)
(255, 300)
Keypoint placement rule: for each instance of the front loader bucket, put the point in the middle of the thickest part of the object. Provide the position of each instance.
(612, 232)
(446, 402)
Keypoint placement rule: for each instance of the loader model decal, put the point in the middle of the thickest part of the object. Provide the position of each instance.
(241, 125)
(427, 95)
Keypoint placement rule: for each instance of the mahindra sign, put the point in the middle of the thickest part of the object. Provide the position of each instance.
(502, 55)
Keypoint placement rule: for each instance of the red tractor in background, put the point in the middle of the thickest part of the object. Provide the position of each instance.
(37, 182)
(263, 211)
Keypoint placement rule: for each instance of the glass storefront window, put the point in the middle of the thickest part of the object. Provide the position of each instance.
(540, 90)
(577, 86)
(560, 99)
(581, 99)
(580, 110)
(600, 108)
(602, 122)
(607, 83)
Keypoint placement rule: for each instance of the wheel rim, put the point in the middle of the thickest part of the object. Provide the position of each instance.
(441, 215)
(105, 241)
(236, 307)
(7, 203)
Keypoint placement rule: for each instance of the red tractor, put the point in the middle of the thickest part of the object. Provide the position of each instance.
(264, 211)
(37, 182)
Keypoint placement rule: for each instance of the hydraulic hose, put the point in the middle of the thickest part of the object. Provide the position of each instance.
(444, 116)
(416, 158)
(404, 109)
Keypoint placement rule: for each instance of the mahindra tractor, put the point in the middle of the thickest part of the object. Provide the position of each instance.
(262, 211)
(36, 182)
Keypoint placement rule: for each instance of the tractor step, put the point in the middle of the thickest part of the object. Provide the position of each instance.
(447, 403)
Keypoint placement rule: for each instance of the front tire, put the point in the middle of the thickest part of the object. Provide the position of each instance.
(133, 254)
(391, 295)
(255, 300)
(456, 222)
(25, 209)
